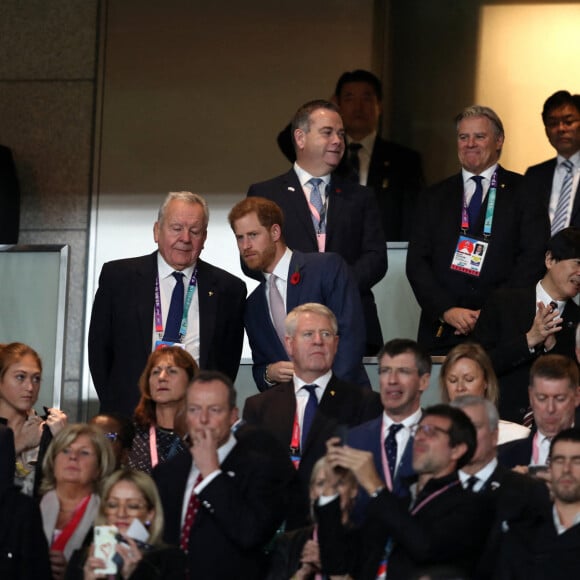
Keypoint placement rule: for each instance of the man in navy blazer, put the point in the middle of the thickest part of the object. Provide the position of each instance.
(517, 325)
(561, 118)
(450, 275)
(240, 480)
(348, 221)
(123, 326)
(404, 373)
(296, 278)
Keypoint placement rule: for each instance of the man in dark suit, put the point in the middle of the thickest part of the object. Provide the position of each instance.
(441, 525)
(517, 325)
(9, 199)
(324, 213)
(473, 233)
(554, 183)
(404, 374)
(554, 395)
(394, 172)
(304, 412)
(134, 302)
(517, 499)
(224, 499)
(291, 278)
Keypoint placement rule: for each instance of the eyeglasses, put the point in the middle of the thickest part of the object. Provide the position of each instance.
(112, 436)
(429, 431)
(404, 371)
(129, 506)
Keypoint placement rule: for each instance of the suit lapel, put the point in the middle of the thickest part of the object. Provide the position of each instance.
(145, 299)
(208, 304)
(336, 208)
(293, 291)
(299, 207)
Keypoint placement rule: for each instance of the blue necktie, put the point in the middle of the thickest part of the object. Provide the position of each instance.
(175, 314)
(475, 203)
(391, 448)
(316, 201)
(309, 413)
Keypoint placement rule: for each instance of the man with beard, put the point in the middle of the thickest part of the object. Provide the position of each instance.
(291, 278)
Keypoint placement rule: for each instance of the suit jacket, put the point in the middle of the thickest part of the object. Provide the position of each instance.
(396, 177)
(368, 437)
(515, 256)
(9, 199)
(518, 501)
(353, 230)
(501, 329)
(239, 511)
(517, 452)
(448, 530)
(538, 185)
(342, 404)
(324, 278)
(120, 333)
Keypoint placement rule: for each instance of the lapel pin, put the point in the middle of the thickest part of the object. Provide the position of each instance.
(332, 393)
(210, 293)
(291, 189)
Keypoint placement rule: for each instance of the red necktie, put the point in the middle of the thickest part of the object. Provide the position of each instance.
(190, 514)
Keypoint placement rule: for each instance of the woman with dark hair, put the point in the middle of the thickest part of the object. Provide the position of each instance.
(160, 414)
(76, 462)
(20, 378)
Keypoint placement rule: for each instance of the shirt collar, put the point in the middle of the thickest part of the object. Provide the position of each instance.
(282, 267)
(367, 142)
(558, 524)
(304, 176)
(575, 159)
(165, 270)
(482, 475)
(467, 175)
(407, 422)
(543, 296)
(321, 382)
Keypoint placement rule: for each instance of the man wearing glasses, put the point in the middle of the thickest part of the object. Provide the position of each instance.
(441, 524)
(304, 412)
(404, 372)
(555, 182)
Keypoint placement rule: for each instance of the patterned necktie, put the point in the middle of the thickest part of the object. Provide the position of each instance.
(319, 220)
(277, 307)
(475, 203)
(561, 213)
(354, 161)
(391, 448)
(175, 314)
(309, 413)
(192, 507)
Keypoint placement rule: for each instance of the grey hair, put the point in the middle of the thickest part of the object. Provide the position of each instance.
(481, 111)
(187, 197)
(473, 401)
(309, 307)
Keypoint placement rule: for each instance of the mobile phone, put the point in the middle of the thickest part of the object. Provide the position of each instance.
(105, 541)
(535, 469)
(341, 432)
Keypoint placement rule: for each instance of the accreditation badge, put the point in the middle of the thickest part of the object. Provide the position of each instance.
(469, 255)
(164, 343)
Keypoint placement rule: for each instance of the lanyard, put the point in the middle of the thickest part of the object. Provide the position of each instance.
(188, 298)
(491, 194)
(431, 497)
